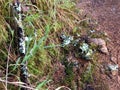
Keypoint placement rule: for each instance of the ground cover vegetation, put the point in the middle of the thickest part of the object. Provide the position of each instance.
(50, 63)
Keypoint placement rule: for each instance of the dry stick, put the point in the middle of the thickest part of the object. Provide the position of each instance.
(59, 88)
(20, 84)
(8, 63)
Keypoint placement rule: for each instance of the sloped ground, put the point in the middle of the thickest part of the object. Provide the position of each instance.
(66, 69)
(107, 14)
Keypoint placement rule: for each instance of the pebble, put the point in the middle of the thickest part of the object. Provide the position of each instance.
(113, 69)
(113, 59)
(100, 42)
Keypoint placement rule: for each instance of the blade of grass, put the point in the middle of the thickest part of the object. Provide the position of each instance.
(40, 85)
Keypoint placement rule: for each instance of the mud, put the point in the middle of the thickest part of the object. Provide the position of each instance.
(107, 15)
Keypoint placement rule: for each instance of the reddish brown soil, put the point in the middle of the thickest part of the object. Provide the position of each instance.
(107, 14)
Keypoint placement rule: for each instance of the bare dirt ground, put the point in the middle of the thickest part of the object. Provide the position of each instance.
(107, 14)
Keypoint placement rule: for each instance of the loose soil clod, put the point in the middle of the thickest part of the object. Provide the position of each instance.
(101, 44)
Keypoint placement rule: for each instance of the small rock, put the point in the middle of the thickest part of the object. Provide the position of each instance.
(100, 42)
(113, 69)
(113, 59)
(105, 33)
(92, 31)
(104, 50)
(114, 72)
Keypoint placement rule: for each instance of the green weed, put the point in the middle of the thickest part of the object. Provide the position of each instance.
(43, 23)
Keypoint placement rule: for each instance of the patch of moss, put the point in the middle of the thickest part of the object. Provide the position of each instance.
(87, 75)
(69, 77)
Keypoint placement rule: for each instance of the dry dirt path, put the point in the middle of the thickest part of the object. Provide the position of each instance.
(107, 14)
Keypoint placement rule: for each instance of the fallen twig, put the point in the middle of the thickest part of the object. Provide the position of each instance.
(62, 87)
(20, 84)
(8, 63)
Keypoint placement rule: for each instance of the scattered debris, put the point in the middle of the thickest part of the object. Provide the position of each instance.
(113, 68)
(85, 51)
(91, 31)
(101, 43)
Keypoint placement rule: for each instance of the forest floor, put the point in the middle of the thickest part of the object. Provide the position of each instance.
(63, 57)
(107, 14)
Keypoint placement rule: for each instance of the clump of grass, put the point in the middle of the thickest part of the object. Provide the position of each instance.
(69, 74)
(3, 32)
(44, 22)
(61, 15)
(87, 75)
